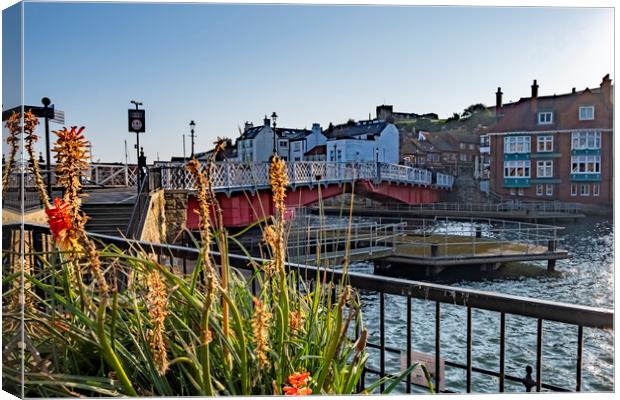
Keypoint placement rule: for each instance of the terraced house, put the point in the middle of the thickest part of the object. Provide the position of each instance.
(557, 147)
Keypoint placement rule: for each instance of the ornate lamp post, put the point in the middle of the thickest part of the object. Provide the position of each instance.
(274, 116)
(192, 125)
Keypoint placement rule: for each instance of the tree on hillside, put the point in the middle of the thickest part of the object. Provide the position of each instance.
(474, 108)
(455, 117)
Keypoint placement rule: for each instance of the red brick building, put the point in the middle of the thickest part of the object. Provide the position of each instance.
(557, 147)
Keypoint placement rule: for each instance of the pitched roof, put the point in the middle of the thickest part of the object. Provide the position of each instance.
(251, 133)
(440, 142)
(522, 115)
(286, 133)
(465, 137)
(371, 127)
(292, 134)
(320, 149)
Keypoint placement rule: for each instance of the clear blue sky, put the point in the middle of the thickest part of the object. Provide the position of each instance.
(221, 65)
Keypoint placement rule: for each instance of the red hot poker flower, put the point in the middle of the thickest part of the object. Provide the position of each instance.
(294, 391)
(59, 218)
(299, 379)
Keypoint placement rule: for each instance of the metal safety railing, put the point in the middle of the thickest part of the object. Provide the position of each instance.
(525, 207)
(311, 239)
(454, 236)
(108, 175)
(502, 307)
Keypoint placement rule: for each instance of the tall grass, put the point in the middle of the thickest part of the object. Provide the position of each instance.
(101, 321)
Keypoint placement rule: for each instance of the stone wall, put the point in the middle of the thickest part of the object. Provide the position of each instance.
(155, 228)
(175, 214)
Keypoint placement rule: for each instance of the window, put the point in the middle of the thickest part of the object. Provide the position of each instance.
(586, 113)
(463, 157)
(513, 192)
(544, 169)
(539, 190)
(573, 189)
(462, 145)
(585, 189)
(596, 189)
(582, 140)
(549, 190)
(544, 143)
(586, 164)
(545, 118)
(521, 192)
(517, 169)
(283, 143)
(517, 144)
(472, 147)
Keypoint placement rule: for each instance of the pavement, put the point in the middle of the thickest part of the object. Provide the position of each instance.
(110, 196)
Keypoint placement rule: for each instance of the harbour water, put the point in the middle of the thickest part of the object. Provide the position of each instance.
(586, 279)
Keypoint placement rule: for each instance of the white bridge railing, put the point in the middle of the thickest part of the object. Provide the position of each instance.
(232, 175)
(110, 175)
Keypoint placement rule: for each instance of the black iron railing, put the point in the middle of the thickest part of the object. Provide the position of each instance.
(150, 182)
(541, 311)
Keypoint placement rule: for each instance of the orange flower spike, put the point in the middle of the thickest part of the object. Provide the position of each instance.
(304, 391)
(294, 391)
(299, 379)
(59, 219)
(289, 390)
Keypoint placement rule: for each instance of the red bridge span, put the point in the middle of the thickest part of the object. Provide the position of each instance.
(244, 195)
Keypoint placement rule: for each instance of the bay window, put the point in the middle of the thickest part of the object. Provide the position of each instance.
(517, 169)
(582, 140)
(586, 164)
(517, 144)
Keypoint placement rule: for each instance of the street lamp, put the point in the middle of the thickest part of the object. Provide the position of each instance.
(192, 125)
(274, 116)
(46, 103)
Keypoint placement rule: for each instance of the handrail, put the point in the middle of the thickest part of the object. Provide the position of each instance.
(228, 175)
(544, 207)
(586, 316)
(139, 211)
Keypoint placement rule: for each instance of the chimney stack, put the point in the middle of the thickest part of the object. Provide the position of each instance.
(574, 90)
(267, 121)
(535, 90)
(606, 88)
(498, 98)
(248, 125)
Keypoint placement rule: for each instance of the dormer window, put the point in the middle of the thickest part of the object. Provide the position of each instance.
(545, 118)
(586, 113)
